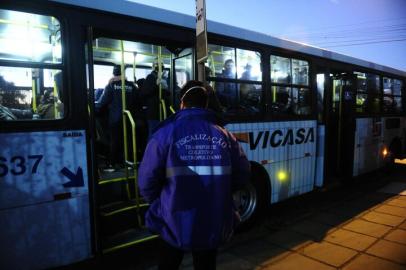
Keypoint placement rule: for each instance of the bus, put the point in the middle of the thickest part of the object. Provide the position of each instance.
(305, 117)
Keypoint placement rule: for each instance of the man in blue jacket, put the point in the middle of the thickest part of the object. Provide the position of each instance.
(190, 169)
(111, 100)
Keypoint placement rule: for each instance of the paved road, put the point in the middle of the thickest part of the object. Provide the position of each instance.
(361, 225)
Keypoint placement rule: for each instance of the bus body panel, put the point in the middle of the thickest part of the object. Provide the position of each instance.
(287, 150)
(372, 136)
(45, 212)
(321, 138)
(44, 199)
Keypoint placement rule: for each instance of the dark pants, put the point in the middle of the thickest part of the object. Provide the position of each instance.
(116, 144)
(171, 258)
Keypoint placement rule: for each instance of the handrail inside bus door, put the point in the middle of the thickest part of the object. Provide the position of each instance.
(163, 106)
(123, 106)
(56, 114)
(34, 96)
(159, 80)
(134, 67)
(127, 113)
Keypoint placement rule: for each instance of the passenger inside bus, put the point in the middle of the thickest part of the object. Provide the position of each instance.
(227, 92)
(149, 95)
(10, 114)
(283, 102)
(249, 96)
(50, 106)
(111, 100)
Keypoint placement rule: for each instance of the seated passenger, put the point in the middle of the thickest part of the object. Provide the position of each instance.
(245, 88)
(46, 108)
(283, 103)
(8, 114)
(227, 92)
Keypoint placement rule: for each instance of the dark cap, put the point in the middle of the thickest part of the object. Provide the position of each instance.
(117, 70)
(194, 94)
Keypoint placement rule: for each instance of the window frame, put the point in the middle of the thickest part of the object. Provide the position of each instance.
(309, 86)
(393, 96)
(369, 94)
(62, 67)
(243, 117)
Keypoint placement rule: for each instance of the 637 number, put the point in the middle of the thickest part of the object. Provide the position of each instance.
(18, 165)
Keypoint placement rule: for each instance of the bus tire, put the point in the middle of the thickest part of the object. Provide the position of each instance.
(254, 199)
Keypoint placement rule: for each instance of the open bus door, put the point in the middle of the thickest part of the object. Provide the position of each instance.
(181, 72)
(340, 125)
(120, 208)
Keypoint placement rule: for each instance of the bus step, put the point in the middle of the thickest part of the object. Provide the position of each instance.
(119, 207)
(126, 239)
(116, 176)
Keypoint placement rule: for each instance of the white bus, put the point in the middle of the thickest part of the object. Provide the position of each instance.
(304, 116)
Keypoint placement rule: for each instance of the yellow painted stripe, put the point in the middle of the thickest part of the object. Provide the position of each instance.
(129, 244)
(124, 209)
(107, 181)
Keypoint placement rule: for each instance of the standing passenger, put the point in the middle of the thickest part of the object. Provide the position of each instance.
(111, 99)
(227, 91)
(189, 171)
(149, 93)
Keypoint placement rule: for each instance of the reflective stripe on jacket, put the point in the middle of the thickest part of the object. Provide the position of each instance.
(188, 173)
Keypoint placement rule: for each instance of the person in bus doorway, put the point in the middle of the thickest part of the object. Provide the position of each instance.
(149, 94)
(111, 99)
(227, 91)
(190, 169)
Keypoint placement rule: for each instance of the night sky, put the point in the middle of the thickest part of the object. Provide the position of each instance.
(372, 30)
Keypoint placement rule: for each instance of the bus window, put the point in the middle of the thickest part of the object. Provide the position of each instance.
(280, 69)
(183, 73)
(28, 93)
(300, 72)
(286, 96)
(235, 75)
(392, 95)
(368, 98)
(301, 101)
(281, 99)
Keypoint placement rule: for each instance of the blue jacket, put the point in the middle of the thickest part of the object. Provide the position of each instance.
(190, 168)
(111, 99)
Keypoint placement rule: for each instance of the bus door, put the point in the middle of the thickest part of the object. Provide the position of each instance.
(340, 126)
(118, 66)
(182, 71)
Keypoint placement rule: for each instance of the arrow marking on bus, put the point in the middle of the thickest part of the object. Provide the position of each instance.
(76, 180)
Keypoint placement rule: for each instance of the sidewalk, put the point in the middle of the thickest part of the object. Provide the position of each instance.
(359, 230)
